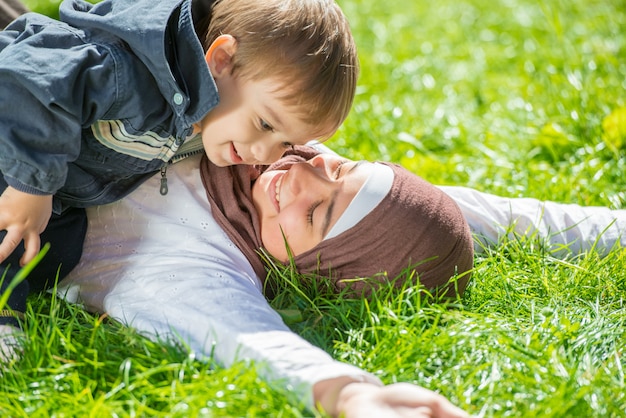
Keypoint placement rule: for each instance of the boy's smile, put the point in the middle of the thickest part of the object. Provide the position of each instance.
(234, 155)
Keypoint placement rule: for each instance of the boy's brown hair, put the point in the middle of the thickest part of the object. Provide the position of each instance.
(306, 43)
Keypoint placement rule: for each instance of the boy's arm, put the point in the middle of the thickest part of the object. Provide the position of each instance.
(54, 83)
(24, 216)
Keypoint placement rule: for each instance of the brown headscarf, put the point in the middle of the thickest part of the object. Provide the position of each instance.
(415, 227)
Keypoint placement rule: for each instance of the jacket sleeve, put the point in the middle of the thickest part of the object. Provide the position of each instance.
(52, 84)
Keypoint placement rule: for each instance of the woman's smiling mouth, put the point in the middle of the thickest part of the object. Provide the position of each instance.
(278, 184)
(273, 190)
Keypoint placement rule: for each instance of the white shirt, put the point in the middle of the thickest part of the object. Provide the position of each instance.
(162, 265)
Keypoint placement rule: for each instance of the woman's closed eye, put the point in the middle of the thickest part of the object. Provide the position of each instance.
(309, 217)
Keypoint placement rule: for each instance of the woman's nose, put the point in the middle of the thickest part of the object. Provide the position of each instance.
(305, 177)
(318, 161)
(267, 153)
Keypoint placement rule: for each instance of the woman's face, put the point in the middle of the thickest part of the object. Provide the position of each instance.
(305, 201)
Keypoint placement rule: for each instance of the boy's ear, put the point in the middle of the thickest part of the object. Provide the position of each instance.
(220, 53)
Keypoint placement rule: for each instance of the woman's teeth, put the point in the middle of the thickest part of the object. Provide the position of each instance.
(278, 183)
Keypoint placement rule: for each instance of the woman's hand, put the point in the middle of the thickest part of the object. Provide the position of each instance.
(24, 216)
(398, 400)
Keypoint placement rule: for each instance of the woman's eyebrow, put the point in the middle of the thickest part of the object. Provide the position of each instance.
(331, 205)
(329, 213)
(355, 166)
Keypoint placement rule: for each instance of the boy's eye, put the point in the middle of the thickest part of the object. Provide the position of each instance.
(266, 126)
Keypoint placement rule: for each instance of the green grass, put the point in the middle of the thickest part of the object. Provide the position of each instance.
(515, 97)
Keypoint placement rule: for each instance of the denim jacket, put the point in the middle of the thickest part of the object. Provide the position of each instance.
(92, 104)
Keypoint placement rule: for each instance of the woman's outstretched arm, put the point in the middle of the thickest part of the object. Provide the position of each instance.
(564, 228)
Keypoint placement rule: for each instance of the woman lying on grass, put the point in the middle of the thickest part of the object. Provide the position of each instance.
(189, 269)
(166, 266)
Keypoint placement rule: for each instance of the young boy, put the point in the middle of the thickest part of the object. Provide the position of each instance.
(95, 103)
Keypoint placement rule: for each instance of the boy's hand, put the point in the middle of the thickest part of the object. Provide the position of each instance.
(394, 401)
(24, 216)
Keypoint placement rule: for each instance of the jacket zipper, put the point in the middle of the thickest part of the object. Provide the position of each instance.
(192, 147)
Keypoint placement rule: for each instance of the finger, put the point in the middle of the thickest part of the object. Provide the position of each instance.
(32, 242)
(440, 406)
(9, 244)
(444, 408)
(420, 397)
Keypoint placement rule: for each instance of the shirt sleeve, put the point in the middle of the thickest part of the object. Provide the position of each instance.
(565, 228)
(229, 319)
(52, 83)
